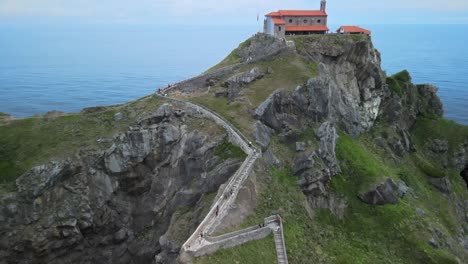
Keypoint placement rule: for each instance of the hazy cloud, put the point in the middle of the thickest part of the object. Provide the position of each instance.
(234, 11)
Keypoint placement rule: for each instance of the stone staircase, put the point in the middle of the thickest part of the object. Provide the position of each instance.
(200, 243)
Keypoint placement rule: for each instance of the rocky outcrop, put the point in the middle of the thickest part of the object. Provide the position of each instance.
(237, 82)
(386, 192)
(401, 111)
(316, 169)
(347, 92)
(114, 206)
(261, 46)
(263, 135)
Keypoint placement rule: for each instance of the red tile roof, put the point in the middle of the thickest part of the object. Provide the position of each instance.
(273, 14)
(278, 21)
(306, 28)
(297, 13)
(355, 29)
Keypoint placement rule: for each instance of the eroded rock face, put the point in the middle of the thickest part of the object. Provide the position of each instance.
(416, 100)
(237, 82)
(386, 192)
(114, 206)
(347, 92)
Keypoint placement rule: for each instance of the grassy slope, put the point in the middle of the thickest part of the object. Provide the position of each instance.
(29, 142)
(289, 72)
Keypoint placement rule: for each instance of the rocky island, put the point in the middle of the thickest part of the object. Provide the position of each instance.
(361, 166)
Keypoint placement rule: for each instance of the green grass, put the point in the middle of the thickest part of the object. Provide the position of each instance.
(399, 81)
(25, 143)
(357, 37)
(390, 233)
(313, 68)
(227, 150)
(427, 167)
(353, 154)
(257, 252)
(440, 128)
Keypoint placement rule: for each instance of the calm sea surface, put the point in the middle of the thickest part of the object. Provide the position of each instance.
(67, 68)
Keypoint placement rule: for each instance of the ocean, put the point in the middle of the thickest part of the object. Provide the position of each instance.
(69, 67)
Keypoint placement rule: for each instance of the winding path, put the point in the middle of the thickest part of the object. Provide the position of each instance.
(200, 242)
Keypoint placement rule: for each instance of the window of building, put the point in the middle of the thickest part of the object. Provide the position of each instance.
(279, 28)
(290, 20)
(305, 21)
(318, 21)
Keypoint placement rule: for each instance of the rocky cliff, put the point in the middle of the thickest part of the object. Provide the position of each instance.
(140, 197)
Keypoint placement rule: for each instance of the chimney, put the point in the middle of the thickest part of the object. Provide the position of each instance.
(323, 5)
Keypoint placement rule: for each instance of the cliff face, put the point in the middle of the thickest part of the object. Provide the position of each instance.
(141, 197)
(346, 95)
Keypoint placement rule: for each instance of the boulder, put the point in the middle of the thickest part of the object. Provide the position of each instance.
(386, 192)
(272, 159)
(441, 184)
(300, 146)
(263, 135)
(438, 146)
(118, 116)
(164, 112)
(235, 83)
(33, 183)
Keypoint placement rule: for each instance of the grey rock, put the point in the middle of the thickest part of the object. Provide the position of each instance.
(420, 211)
(163, 113)
(237, 82)
(118, 116)
(35, 182)
(272, 159)
(442, 184)
(263, 135)
(261, 46)
(433, 243)
(300, 146)
(328, 137)
(120, 236)
(386, 192)
(439, 146)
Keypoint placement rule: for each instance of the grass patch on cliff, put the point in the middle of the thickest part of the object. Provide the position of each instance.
(398, 82)
(252, 252)
(29, 142)
(227, 150)
(288, 72)
(383, 234)
(353, 154)
(440, 128)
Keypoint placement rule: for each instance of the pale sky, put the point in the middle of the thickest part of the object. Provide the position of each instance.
(235, 12)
